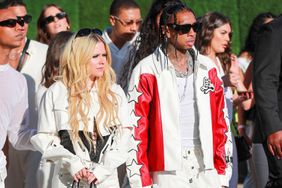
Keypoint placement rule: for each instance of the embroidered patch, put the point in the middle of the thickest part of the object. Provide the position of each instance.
(207, 86)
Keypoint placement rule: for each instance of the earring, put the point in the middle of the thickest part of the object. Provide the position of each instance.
(68, 27)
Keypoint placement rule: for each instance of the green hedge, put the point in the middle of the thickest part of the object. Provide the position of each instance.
(94, 13)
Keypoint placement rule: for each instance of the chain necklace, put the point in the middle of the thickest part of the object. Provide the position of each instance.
(185, 75)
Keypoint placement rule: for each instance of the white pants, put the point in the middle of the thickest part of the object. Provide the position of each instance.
(192, 174)
(2, 184)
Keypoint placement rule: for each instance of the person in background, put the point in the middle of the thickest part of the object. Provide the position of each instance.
(125, 19)
(52, 20)
(83, 117)
(257, 165)
(174, 96)
(147, 41)
(214, 41)
(267, 90)
(13, 87)
(247, 52)
(28, 58)
(50, 72)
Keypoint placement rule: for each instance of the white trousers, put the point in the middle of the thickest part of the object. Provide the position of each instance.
(192, 174)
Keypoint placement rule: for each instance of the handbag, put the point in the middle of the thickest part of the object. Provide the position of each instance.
(76, 184)
(243, 148)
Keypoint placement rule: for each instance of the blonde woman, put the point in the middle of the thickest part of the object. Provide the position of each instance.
(83, 117)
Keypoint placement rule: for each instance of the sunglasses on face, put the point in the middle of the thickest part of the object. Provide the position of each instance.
(129, 23)
(183, 29)
(87, 31)
(51, 19)
(21, 20)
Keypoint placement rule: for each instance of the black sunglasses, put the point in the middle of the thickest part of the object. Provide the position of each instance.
(50, 19)
(21, 20)
(87, 31)
(183, 29)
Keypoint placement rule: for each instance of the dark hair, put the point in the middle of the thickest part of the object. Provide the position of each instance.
(169, 17)
(122, 4)
(42, 35)
(252, 36)
(11, 3)
(147, 41)
(51, 67)
(210, 22)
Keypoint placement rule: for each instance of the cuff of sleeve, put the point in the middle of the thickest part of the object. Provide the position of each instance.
(101, 173)
(224, 180)
(75, 166)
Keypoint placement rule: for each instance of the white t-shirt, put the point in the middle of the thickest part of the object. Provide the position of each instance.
(189, 120)
(14, 108)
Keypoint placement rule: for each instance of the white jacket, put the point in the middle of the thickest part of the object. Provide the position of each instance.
(155, 108)
(53, 117)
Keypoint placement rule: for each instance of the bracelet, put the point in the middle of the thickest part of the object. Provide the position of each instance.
(241, 127)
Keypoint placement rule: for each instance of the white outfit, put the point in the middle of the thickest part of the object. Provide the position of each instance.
(14, 113)
(192, 174)
(119, 56)
(229, 104)
(54, 117)
(25, 163)
(154, 102)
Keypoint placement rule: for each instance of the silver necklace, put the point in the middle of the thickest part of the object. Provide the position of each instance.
(185, 86)
(185, 75)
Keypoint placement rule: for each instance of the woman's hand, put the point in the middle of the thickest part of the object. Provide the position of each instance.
(82, 174)
(91, 178)
(235, 74)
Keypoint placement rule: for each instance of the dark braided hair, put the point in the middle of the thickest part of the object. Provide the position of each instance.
(169, 17)
(210, 22)
(147, 41)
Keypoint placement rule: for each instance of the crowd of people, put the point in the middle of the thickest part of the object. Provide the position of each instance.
(143, 103)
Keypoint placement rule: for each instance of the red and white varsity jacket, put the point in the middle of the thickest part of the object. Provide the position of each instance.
(154, 104)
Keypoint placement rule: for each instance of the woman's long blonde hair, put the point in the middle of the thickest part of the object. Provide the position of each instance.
(75, 75)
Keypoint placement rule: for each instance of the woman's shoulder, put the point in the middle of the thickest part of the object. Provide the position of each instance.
(117, 89)
(57, 90)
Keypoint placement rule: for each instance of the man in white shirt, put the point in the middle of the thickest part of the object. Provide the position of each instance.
(125, 19)
(28, 59)
(13, 87)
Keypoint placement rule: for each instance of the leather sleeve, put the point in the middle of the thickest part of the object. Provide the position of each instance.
(140, 94)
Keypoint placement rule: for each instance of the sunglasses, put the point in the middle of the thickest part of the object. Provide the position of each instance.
(21, 20)
(87, 31)
(51, 19)
(129, 23)
(183, 29)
